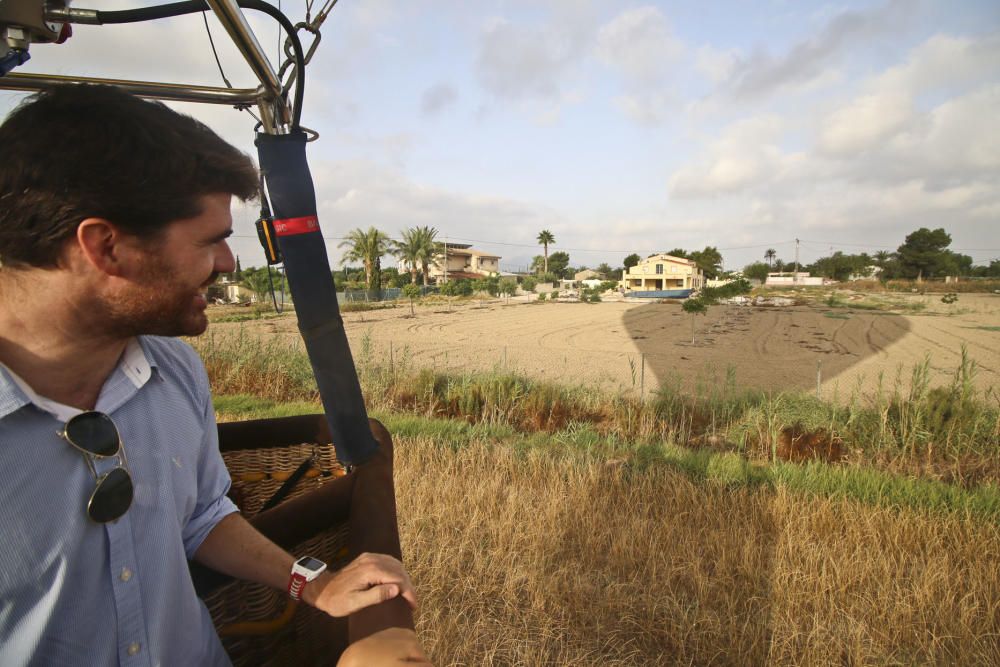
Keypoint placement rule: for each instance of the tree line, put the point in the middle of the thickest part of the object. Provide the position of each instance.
(923, 254)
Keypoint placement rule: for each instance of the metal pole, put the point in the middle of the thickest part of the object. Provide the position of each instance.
(819, 376)
(232, 19)
(795, 277)
(642, 378)
(174, 92)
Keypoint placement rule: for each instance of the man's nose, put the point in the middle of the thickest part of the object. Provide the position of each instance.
(224, 260)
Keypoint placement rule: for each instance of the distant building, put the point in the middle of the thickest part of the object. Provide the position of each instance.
(801, 278)
(663, 272)
(586, 274)
(463, 261)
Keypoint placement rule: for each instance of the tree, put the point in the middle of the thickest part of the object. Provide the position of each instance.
(708, 260)
(769, 255)
(924, 254)
(631, 261)
(367, 247)
(238, 276)
(680, 252)
(557, 261)
(418, 249)
(605, 270)
(756, 271)
(411, 292)
(695, 307)
(882, 258)
(841, 267)
(257, 281)
(408, 250)
(508, 286)
(545, 238)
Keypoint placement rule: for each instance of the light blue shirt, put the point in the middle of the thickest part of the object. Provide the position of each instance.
(73, 592)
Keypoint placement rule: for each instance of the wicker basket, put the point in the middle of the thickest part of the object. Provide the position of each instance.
(255, 622)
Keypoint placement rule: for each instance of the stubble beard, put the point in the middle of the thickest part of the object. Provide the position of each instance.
(160, 305)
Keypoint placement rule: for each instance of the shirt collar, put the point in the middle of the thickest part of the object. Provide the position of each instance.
(15, 393)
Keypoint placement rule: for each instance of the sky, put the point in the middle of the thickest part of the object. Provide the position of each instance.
(620, 127)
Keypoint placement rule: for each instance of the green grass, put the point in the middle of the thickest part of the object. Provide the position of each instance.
(859, 483)
(242, 407)
(836, 316)
(984, 328)
(904, 420)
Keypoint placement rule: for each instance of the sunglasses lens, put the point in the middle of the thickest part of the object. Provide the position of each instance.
(112, 497)
(93, 432)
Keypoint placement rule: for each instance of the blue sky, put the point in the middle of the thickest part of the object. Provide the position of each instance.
(623, 127)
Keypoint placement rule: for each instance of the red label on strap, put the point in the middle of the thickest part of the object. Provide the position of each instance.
(290, 226)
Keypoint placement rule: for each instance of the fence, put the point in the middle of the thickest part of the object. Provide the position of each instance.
(387, 294)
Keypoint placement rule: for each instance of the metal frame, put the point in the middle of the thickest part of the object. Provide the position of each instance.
(275, 114)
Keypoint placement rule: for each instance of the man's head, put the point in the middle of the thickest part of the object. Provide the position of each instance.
(130, 192)
(80, 151)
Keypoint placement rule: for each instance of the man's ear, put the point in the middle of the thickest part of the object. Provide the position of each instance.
(102, 245)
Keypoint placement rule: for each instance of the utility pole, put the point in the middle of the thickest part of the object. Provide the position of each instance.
(795, 276)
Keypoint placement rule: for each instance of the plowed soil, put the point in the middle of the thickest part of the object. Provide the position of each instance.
(624, 346)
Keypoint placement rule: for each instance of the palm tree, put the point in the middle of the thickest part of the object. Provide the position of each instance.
(545, 237)
(430, 250)
(882, 258)
(418, 248)
(409, 250)
(770, 255)
(367, 247)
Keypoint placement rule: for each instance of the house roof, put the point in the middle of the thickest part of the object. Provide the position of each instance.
(455, 275)
(470, 251)
(664, 257)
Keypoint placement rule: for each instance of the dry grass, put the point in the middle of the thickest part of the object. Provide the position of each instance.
(541, 558)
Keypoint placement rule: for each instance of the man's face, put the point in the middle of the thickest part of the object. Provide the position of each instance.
(177, 267)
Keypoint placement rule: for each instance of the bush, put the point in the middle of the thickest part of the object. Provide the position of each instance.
(460, 287)
(542, 296)
(411, 291)
(528, 284)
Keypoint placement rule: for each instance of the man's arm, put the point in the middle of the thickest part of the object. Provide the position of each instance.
(236, 548)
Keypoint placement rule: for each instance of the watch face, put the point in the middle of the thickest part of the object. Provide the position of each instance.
(310, 563)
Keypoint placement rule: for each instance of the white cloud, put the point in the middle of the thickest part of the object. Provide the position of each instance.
(361, 193)
(641, 47)
(517, 62)
(436, 98)
(762, 73)
(714, 63)
(865, 123)
(745, 156)
(640, 44)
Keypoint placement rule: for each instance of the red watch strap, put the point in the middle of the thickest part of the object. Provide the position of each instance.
(296, 583)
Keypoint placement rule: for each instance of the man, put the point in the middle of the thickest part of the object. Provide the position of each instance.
(114, 214)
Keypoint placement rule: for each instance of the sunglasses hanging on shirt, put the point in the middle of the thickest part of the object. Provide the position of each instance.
(95, 436)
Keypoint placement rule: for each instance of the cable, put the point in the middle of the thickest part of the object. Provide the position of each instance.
(204, 17)
(193, 6)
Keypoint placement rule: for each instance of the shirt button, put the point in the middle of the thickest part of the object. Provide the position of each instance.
(134, 648)
(126, 574)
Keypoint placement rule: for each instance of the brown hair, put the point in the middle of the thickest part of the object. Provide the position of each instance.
(86, 151)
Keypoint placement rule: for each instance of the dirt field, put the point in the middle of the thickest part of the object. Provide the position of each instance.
(604, 344)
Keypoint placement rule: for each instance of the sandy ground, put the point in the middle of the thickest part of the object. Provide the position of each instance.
(621, 345)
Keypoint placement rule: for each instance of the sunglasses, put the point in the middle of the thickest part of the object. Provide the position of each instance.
(97, 437)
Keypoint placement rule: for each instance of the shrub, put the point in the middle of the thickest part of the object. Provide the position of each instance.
(528, 284)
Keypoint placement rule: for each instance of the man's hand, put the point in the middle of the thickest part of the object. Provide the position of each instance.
(368, 580)
(392, 646)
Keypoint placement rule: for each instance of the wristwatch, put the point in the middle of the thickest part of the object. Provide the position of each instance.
(304, 570)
